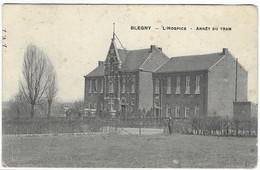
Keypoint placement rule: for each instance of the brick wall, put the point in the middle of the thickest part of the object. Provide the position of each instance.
(222, 84)
(131, 97)
(182, 100)
(145, 91)
(91, 97)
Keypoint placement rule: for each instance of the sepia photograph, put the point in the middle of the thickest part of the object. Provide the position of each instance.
(129, 86)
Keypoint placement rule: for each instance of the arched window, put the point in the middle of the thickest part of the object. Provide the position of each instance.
(111, 86)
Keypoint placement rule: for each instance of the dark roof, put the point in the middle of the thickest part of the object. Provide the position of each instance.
(122, 55)
(142, 59)
(99, 71)
(154, 61)
(135, 58)
(190, 63)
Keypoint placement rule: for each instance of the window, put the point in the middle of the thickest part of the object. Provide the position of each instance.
(132, 105)
(187, 91)
(111, 104)
(168, 85)
(133, 84)
(111, 86)
(157, 102)
(178, 83)
(197, 91)
(186, 113)
(157, 86)
(95, 106)
(168, 110)
(89, 105)
(101, 86)
(197, 111)
(123, 84)
(177, 111)
(90, 86)
(95, 85)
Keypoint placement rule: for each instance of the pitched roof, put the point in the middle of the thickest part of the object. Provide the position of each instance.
(98, 71)
(154, 61)
(122, 55)
(135, 58)
(142, 59)
(190, 63)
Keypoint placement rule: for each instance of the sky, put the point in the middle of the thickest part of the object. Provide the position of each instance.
(76, 37)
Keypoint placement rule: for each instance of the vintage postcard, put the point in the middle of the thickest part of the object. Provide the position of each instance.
(129, 86)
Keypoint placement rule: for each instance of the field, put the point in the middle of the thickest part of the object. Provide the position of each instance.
(154, 151)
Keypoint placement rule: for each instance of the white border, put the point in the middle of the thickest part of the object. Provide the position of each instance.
(170, 2)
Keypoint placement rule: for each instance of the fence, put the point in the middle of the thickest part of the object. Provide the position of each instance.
(195, 126)
(55, 125)
(216, 126)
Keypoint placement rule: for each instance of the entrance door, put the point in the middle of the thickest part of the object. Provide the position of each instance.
(123, 108)
(157, 114)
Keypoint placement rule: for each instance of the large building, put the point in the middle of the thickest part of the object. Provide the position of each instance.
(129, 81)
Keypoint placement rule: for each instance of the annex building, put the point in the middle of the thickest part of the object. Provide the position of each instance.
(130, 81)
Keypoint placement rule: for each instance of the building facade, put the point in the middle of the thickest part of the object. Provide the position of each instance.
(130, 81)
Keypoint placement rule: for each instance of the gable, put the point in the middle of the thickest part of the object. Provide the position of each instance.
(113, 55)
(98, 71)
(155, 60)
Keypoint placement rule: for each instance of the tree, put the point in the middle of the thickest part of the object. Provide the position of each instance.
(78, 107)
(36, 74)
(17, 106)
(51, 89)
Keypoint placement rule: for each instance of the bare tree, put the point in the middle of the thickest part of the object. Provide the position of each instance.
(51, 89)
(17, 106)
(36, 73)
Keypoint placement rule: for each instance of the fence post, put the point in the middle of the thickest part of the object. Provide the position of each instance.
(140, 130)
(116, 125)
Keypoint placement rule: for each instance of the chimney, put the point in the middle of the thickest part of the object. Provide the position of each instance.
(225, 51)
(152, 48)
(100, 63)
(160, 48)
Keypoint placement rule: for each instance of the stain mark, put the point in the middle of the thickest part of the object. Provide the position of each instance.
(158, 21)
(65, 60)
(151, 38)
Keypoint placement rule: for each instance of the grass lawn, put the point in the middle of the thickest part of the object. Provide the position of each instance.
(154, 151)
